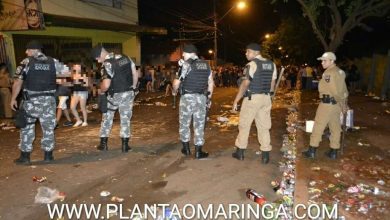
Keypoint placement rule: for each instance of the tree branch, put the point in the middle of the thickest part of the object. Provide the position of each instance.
(314, 24)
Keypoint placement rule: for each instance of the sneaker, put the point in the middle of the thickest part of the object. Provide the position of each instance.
(67, 124)
(84, 124)
(78, 123)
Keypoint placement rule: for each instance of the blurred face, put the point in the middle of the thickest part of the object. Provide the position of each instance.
(187, 56)
(251, 54)
(31, 52)
(326, 63)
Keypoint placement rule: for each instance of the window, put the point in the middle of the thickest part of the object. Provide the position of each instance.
(110, 3)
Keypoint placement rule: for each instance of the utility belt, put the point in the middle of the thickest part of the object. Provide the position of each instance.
(248, 93)
(111, 92)
(328, 100)
(27, 96)
(184, 91)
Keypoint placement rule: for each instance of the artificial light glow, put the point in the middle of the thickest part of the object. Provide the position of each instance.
(280, 48)
(241, 5)
(210, 51)
(267, 36)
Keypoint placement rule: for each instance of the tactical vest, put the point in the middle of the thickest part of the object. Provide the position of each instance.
(123, 75)
(41, 75)
(196, 80)
(261, 81)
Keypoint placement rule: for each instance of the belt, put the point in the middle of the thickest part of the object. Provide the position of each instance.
(261, 93)
(326, 99)
(39, 94)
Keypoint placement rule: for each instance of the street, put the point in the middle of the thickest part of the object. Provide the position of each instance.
(155, 172)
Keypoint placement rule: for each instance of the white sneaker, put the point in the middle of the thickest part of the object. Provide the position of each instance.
(84, 124)
(78, 123)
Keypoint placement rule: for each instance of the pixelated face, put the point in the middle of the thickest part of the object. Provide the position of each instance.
(187, 56)
(250, 54)
(326, 63)
(31, 52)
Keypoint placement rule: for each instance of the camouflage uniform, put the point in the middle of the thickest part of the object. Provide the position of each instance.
(41, 107)
(192, 105)
(122, 101)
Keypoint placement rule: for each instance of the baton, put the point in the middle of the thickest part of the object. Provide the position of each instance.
(277, 83)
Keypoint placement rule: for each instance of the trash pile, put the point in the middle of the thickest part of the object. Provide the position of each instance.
(227, 118)
(7, 126)
(150, 101)
(286, 186)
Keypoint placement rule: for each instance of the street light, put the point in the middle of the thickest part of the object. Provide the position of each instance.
(210, 51)
(267, 36)
(240, 5)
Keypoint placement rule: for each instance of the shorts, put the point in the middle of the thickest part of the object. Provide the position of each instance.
(81, 94)
(62, 102)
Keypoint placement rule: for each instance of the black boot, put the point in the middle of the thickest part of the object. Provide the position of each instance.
(239, 154)
(125, 145)
(48, 156)
(199, 154)
(186, 149)
(103, 144)
(332, 154)
(24, 158)
(264, 157)
(310, 153)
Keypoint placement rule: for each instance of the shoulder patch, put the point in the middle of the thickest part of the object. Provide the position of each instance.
(327, 78)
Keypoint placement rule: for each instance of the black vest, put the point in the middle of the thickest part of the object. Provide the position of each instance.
(196, 80)
(123, 75)
(41, 75)
(261, 81)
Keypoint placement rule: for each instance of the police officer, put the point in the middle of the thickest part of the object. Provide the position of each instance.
(196, 87)
(333, 94)
(119, 82)
(256, 88)
(37, 75)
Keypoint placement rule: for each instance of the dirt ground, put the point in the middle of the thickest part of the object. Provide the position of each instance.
(156, 172)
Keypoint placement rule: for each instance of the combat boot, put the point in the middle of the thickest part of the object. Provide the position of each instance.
(199, 154)
(239, 154)
(310, 153)
(103, 144)
(24, 158)
(125, 145)
(265, 157)
(48, 156)
(332, 154)
(186, 149)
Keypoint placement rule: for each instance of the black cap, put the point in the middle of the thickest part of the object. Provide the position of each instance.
(189, 48)
(96, 51)
(254, 46)
(34, 45)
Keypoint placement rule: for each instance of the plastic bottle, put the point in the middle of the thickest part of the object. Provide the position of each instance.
(254, 196)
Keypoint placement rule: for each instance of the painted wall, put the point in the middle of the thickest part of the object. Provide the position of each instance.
(87, 9)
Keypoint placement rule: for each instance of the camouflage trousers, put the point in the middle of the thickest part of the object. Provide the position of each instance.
(192, 106)
(124, 102)
(42, 108)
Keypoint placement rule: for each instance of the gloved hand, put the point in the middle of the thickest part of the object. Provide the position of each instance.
(181, 62)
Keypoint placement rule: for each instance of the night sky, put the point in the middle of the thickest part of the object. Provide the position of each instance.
(238, 28)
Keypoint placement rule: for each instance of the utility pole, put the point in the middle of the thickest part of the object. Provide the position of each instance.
(215, 36)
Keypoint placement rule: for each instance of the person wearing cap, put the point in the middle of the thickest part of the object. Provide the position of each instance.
(333, 94)
(256, 89)
(37, 75)
(119, 83)
(196, 87)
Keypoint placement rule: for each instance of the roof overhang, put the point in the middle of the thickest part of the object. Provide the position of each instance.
(65, 21)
